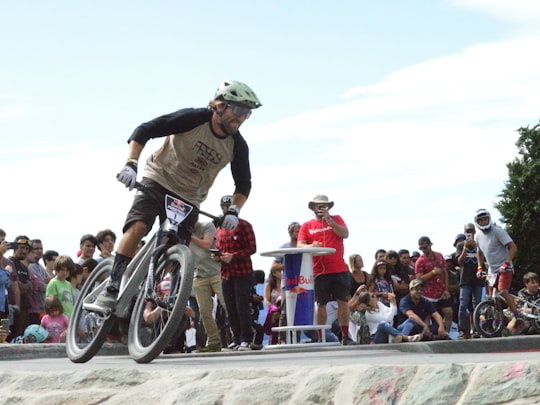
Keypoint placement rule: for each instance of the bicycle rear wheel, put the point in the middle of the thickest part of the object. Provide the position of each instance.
(88, 330)
(158, 314)
(489, 318)
(535, 321)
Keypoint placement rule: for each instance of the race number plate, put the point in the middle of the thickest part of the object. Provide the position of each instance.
(177, 210)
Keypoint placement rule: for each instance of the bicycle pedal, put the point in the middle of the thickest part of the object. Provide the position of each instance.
(106, 313)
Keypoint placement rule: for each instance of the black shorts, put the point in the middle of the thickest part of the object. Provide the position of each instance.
(331, 287)
(150, 203)
(439, 305)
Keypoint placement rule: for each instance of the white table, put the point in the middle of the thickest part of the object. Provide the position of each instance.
(299, 294)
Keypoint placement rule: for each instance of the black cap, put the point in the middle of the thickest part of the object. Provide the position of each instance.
(226, 200)
(424, 239)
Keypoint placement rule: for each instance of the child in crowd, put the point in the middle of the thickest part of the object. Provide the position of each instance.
(272, 320)
(88, 266)
(59, 286)
(272, 300)
(530, 293)
(383, 281)
(54, 322)
(75, 278)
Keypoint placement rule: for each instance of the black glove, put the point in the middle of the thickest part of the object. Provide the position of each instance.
(128, 175)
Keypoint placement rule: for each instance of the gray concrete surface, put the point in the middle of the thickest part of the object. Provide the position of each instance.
(446, 372)
(508, 344)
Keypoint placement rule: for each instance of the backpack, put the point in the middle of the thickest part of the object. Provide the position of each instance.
(363, 336)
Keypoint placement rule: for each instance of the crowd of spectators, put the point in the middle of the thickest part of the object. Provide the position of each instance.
(405, 297)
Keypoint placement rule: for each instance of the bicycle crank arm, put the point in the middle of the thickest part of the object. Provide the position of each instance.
(106, 314)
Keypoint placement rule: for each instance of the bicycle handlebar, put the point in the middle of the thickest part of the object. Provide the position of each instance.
(142, 187)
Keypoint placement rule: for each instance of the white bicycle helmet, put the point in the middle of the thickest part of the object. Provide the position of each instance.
(482, 213)
(237, 92)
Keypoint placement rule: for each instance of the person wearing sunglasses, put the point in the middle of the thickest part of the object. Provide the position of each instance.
(21, 248)
(198, 144)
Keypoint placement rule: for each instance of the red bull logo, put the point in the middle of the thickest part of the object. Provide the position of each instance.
(298, 290)
(298, 280)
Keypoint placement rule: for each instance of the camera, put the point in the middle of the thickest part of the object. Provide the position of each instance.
(215, 252)
(5, 325)
(13, 245)
(468, 236)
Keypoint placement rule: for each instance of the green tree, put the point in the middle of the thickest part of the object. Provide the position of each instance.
(520, 203)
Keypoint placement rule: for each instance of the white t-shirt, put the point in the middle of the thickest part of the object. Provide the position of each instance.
(384, 313)
(492, 243)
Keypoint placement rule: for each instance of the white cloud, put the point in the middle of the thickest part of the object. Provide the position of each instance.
(518, 12)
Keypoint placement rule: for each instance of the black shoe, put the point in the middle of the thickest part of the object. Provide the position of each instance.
(232, 346)
(347, 341)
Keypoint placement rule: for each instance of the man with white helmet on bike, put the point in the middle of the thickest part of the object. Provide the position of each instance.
(199, 143)
(498, 249)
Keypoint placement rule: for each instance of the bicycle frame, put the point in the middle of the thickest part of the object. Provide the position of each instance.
(129, 286)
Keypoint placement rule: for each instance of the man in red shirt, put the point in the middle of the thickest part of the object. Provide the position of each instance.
(332, 280)
(431, 269)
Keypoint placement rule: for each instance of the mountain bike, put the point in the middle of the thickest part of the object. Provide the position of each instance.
(491, 321)
(153, 294)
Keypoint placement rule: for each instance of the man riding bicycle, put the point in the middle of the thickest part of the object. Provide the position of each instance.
(199, 143)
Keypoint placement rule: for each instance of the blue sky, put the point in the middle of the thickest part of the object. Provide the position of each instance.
(403, 113)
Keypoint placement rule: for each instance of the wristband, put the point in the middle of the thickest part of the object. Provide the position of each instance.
(480, 268)
(133, 161)
(433, 271)
(234, 208)
(505, 265)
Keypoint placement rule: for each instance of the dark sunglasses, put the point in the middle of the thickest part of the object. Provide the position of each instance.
(239, 110)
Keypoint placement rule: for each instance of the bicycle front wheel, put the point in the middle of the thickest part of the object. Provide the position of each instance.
(88, 330)
(159, 311)
(489, 318)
